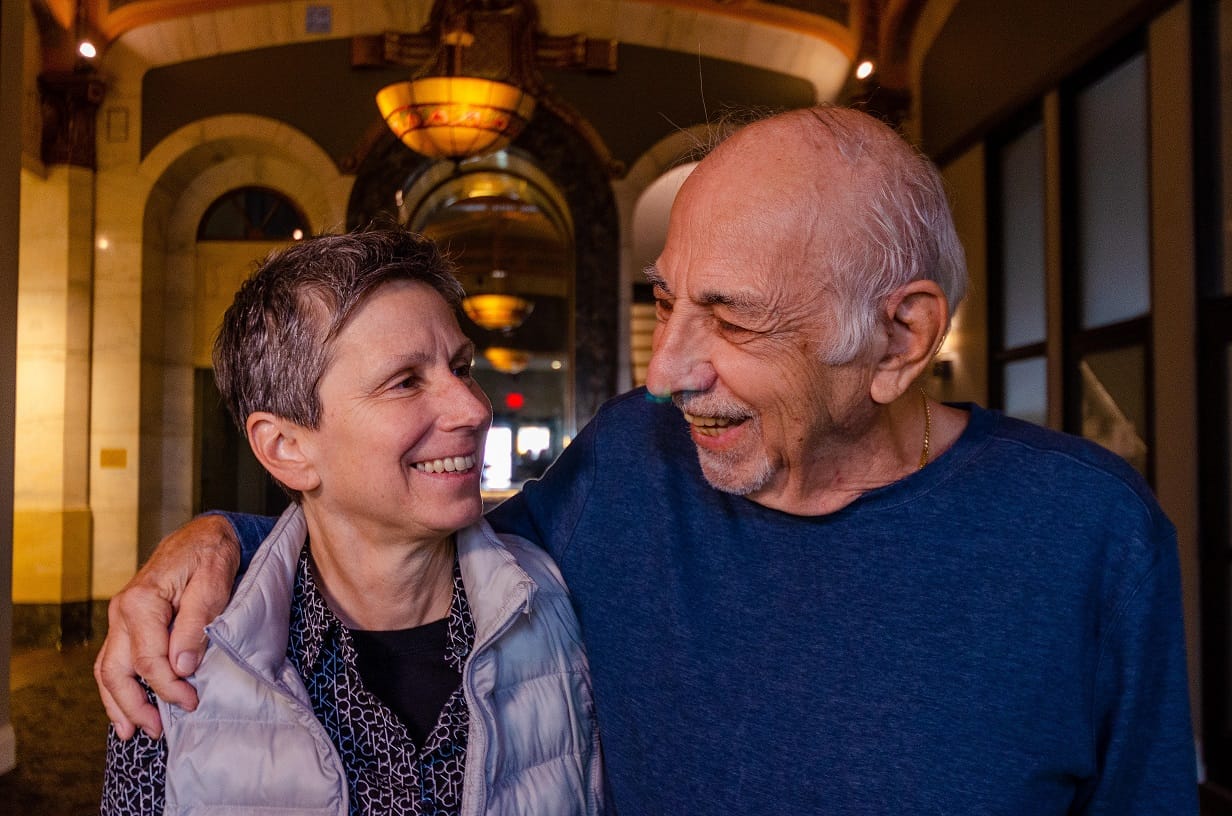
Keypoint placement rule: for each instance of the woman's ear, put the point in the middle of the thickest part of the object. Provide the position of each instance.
(278, 444)
(916, 315)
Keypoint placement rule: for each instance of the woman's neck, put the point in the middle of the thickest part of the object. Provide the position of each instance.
(386, 585)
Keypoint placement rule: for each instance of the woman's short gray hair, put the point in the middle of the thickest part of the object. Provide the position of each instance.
(274, 343)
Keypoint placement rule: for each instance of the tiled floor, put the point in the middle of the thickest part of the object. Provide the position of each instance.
(61, 731)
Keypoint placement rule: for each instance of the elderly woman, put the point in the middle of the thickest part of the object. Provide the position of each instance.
(386, 652)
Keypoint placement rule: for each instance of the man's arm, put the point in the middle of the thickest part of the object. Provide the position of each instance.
(1145, 753)
(546, 509)
(189, 579)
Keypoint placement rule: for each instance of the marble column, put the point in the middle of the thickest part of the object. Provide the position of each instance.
(11, 42)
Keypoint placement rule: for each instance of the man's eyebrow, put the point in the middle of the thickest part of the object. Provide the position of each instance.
(738, 302)
(654, 278)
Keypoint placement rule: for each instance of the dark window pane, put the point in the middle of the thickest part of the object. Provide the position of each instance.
(1113, 217)
(1022, 238)
(252, 214)
(1026, 390)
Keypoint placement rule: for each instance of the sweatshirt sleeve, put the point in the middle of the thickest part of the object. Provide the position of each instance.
(547, 509)
(1146, 761)
(250, 530)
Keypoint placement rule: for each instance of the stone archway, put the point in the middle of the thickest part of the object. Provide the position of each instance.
(565, 157)
(189, 171)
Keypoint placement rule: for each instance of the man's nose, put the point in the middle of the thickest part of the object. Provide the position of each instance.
(679, 359)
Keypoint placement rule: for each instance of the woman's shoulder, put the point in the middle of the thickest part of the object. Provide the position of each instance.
(512, 550)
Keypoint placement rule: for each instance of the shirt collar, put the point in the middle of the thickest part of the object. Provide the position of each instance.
(320, 628)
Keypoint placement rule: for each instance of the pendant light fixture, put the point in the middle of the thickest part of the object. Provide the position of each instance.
(473, 95)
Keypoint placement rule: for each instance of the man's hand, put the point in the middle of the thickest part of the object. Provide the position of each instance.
(188, 578)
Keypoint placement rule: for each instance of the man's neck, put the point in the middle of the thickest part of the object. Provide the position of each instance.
(889, 449)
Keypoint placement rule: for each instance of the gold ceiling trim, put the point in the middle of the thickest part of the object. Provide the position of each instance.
(136, 13)
(817, 26)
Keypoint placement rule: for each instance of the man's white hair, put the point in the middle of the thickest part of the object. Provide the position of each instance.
(901, 230)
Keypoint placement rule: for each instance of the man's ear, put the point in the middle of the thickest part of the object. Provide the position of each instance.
(278, 444)
(916, 316)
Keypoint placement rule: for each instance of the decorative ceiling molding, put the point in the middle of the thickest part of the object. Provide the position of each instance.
(816, 40)
(778, 36)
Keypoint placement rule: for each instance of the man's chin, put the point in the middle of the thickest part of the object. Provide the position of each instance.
(733, 475)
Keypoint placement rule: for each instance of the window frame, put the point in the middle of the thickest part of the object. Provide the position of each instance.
(999, 355)
(1078, 342)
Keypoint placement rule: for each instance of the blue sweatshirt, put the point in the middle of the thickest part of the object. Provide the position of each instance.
(999, 633)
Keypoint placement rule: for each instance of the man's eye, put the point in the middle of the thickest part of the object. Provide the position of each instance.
(733, 329)
(463, 370)
(663, 308)
(410, 381)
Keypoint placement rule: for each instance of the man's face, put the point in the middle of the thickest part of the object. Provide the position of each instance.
(743, 324)
(399, 448)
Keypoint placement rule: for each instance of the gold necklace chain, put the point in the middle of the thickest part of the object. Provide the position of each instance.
(928, 427)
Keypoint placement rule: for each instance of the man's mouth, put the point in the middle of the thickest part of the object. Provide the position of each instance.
(450, 464)
(711, 425)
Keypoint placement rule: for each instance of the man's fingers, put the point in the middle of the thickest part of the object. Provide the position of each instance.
(124, 727)
(146, 616)
(126, 702)
(192, 569)
(127, 705)
(204, 597)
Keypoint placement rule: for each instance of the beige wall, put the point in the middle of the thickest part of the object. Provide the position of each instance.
(1173, 292)
(12, 87)
(966, 347)
(51, 552)
(219, 269)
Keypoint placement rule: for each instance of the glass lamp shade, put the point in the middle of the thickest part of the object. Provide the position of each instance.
(507, 360)
(497, 312)
(455, 117)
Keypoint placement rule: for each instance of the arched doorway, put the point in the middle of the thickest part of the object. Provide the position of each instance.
(508, 230)
(544, 206)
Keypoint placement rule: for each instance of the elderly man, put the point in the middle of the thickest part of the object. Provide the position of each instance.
(804, 586)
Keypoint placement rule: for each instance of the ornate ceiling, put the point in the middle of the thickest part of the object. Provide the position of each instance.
(860, 29)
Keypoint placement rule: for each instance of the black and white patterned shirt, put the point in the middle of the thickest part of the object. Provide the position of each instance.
(386, 771)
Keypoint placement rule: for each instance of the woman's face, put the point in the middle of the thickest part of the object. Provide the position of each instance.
(399, 449)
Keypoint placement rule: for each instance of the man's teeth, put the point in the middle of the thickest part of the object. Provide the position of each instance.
(710, 425)
(450, 464)
(707, 421)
